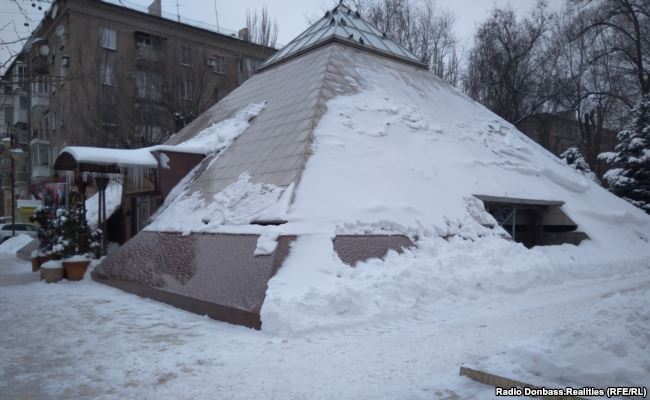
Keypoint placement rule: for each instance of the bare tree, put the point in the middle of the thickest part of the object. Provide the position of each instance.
(510, 69)
(626, 26)
(421, 28)
(261, 29)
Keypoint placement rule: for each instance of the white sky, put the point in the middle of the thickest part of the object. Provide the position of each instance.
(291, 15)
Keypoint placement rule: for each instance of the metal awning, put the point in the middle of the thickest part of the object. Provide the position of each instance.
(102, 160)
(514, 201)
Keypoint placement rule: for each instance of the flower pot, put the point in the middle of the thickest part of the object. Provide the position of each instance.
(37, 261)
(75, 269)
(51, 271)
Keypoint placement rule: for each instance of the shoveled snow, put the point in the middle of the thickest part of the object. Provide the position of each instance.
(84, 340)
(615, 332)
(13, 244)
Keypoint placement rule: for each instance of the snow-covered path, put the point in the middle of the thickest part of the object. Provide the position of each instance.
(85, 340)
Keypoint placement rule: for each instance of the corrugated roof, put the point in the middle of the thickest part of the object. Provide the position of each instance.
(345, 25)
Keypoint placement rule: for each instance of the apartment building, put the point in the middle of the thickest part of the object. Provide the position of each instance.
(95, 73)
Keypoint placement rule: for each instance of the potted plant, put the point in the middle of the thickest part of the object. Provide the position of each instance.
(46, 236)
(75, 241)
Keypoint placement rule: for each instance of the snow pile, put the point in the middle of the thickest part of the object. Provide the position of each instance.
(315, 290)
(13, 244)
(238, 204)
(379, 160)
(606, 346)
(113, 202)
(267, 242)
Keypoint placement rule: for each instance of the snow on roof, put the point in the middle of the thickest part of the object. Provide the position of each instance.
(346, 25)
(212, 139)
(369, 140)
(121, 157)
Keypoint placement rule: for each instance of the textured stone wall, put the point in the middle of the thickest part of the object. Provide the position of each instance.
(213, 274)
(354, 248)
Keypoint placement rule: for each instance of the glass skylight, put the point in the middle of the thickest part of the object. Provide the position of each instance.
(343, 23)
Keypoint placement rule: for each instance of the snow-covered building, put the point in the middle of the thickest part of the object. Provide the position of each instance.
(344, 148)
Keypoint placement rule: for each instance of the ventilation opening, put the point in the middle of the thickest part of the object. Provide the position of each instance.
(533, 222)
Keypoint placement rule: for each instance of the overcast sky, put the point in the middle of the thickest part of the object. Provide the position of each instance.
(291, 15)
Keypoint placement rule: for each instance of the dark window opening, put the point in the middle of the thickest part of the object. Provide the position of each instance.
(533, 222)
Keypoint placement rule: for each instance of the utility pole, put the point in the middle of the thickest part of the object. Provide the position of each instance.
(13, 186)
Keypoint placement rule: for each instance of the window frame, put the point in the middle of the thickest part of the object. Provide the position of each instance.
(108, 38)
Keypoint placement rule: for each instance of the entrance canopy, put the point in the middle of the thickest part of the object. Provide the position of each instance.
(112, 161)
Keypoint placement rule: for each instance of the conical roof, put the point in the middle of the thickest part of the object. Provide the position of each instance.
(344, 25)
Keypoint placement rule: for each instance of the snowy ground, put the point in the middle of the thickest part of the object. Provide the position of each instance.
(84, 340)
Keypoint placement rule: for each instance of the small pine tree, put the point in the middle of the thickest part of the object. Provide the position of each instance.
(574, 159)
(629, 177)
(47, 232)
(74, 236)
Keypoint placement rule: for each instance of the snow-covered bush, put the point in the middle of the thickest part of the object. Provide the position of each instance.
(629, 176)
(574, 159)
(47, 232)
(73, 235)
(64, 233)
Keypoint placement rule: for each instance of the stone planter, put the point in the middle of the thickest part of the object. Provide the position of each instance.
(52, 271)
(37, 261)
(75, 268)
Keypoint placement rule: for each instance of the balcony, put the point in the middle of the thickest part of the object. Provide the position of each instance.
(40, 103)
(20, 116)
(146, 54)
(40, 171)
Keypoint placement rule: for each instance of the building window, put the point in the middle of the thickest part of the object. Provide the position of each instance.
(247, 67)
(108, 38)
(143, 40)
(107, 74)
(186, 89)
(148, 135)
(20, 76)
(40, 86)
(147, 85)
(217, 63)
(40, 154)
(186, 56)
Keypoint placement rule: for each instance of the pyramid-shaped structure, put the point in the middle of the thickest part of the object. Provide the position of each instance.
(346, 151)
(344, 25)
